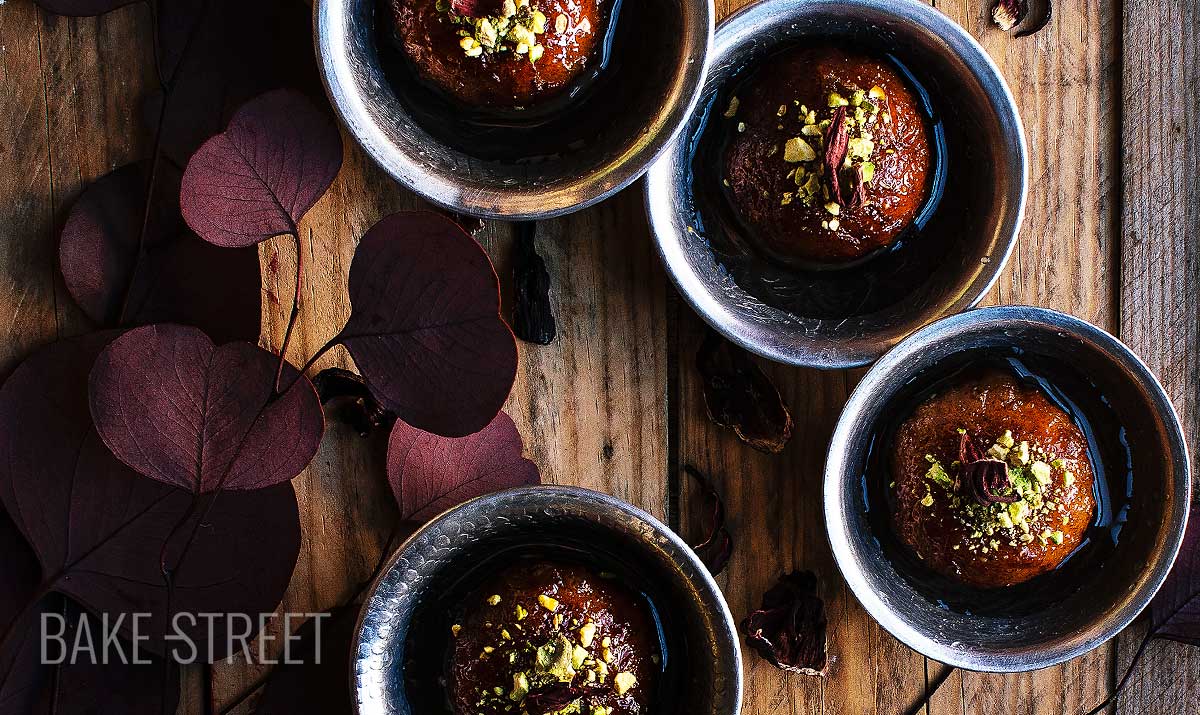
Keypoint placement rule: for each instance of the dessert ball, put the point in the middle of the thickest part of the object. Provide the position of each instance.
(553, 638)
(499, 53)
(992, 482)
(829, 156)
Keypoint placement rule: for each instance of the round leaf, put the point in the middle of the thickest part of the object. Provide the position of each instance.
(258, 178)
(104, 530)
(425, 327)
(430, 474)
(178, 409)
(98, 255)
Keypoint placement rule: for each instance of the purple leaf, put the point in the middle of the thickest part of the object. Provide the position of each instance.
(430, 474)
(306, 686)
(1175, 610)
(98, 254)
(182, 411)
(425, 327)
(106, 532)
(84, 685)
(82, 8)
(215, 55)
(21, 676)
(258, 178)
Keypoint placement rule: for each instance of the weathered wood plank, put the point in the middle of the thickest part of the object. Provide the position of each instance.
(1160, 260)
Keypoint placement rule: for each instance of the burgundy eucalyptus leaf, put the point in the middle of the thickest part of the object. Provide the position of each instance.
(215, 55)
(738, 394)
(82, 685)
(106, 532)
(187, 413)
(98, 255)
(430, 474)
(82, 8)
(21, 675)
(315, 680)
(1175, 610)
(425, 328)
(347, 392)
(789, 629)
(717, 546)
(258, 178)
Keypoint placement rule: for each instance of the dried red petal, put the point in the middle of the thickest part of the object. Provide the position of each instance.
(967, 451)
(472, 8)
(739, 394)
(716, 548)
(859, 197)
(789, 629)
(837, 141)
(987, 481)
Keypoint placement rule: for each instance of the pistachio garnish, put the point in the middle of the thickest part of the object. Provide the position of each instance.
(797, 150)
(548, 602)
(514, 29)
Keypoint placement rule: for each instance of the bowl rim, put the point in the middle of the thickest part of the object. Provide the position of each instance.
(836, 481)
(658, 189)
(502, 202)
(706, 584)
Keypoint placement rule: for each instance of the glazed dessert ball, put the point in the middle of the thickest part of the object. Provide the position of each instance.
(553, 638)
(993, 483)
(499, 53)
(829, 158)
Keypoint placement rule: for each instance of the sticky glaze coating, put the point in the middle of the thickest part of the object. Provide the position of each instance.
(986, 407)
(758, 176)
(429, 38)
(620, 649)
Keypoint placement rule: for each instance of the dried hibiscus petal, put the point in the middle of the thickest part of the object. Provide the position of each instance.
(714, 551)
(987, 481)
(357, 407)
(551, 698)
(837, 141)
(473, 8)
(789, 629)
(533, 315)
(739, 394)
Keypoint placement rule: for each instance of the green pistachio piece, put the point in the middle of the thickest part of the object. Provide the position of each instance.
(796, 149)
(623, 682)
(1041, 472)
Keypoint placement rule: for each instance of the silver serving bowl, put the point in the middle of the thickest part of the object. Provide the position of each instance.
(985, 177)
(418, 586)
(612, 134)
(1097, 601)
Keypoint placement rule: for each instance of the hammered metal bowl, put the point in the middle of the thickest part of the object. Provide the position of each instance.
(618, 132)
(987, 169)
(703, 667)
(1107, 597)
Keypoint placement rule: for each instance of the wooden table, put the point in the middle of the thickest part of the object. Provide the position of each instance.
(1108, 93)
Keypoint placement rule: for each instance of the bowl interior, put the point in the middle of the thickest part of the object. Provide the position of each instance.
(539, 163)
(1089, 604)
(849, 316)
(409, 610)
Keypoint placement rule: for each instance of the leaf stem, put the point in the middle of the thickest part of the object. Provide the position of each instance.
(287, 334)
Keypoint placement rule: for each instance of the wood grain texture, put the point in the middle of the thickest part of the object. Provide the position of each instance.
(1160, 264)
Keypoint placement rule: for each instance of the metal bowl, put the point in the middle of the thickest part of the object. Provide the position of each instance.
(703, 666)
(1102, 600)
(986, 170)
(614, 134)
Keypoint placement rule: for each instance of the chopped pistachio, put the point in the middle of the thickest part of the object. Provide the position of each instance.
(493, 600)
(836, 100)
(877, 93)
(1056, 537)
(782, 110)
(560, 23)
(505, 634)
(928, 500)
(548, 602)
(577, 657)
(868, 171)
(860, 147)
(833, 207)
(1041, 472)
(1058, 463)
(586, 634)
(455, 629)
(1068, 478)
(520, 688)
(857, 98)
(796, 149)
(997, 452)
(834, 224)
(1006, 440)
(741, 127)
(535, 53)
(521, 612)
(488, 649)
(555, 659)
(1019, 455)
(811, 130)
(1005, 519)
(623, 682)
(732, 110)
